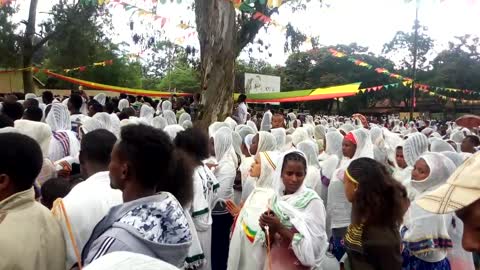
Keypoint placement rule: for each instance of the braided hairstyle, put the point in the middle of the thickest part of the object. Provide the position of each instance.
(294, 156)
(379, 199)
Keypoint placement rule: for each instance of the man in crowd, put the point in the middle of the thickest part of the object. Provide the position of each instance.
(278, 121)
(90, 200)
(149, 222)
(29, 236)
(241, 112)
(461, 194)
(470, 143)
(74, 105)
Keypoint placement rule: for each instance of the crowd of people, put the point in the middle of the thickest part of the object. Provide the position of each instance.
(130, 183)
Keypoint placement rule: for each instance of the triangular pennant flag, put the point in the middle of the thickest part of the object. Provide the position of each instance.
(404, 83)
(380, 87)
(386, 86)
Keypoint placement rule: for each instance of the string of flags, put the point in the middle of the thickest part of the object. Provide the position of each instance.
(405, 80)
(361, 63)
(248, 6)
(5, 2)
(421, 87)
(66, 70)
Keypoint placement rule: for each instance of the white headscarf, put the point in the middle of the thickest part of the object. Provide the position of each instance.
(280, 136)
(248, 141)
(252, 125)
(319, 132)
(313, 176)
(439, 145)
(440, 169)
(310, 149)
(310, 130)
(147, 113)
(244, 130)
(237, 143)
(457, 136)
(214, 127)
(184, 117)
(346, 128)
(122, 104)
(299, 135)
(334, 140)
(231, 123)
(223, 141)
(90, 124)
(173, 130)
(105, 119)
(187, 124)
(30, 96)
(159, 122)
(101, 98)
(266, 123)
(166, 105)
(40, 132)
(268, 165)
(291, 118)
(364, 144)
(266, 142)
(414, 147)
(170, 117)
(59, 117)
(455, 157)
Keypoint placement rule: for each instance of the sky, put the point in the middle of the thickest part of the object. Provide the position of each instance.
(369, 23)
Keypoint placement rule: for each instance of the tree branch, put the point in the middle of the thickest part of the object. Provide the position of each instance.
(250, 29)
(42, 42)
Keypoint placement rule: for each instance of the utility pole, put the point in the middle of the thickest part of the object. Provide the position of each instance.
(414, 66)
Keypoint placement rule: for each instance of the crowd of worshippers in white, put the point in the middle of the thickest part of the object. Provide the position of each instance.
(285, 194)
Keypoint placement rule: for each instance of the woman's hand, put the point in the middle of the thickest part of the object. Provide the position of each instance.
(269, 219)
(232, 208)
(211, 165)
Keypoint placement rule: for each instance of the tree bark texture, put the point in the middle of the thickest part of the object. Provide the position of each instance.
(28, 49)
(216, 32)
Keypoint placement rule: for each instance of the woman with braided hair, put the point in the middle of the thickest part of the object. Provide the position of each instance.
(378, 202)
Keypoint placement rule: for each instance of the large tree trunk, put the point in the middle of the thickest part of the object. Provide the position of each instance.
(217, 34)
(28, 48)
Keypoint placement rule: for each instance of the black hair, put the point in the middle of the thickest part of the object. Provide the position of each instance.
(21, 159)
(242, 98)
(33, 114)
(194, 142)
(97, 107)
(129, 111)
(473, 139)
(30, 103)
(76, 101)
(294, 156)
(123, 96)
(148, 151)
(14, 110)
(110, 107)
(5, 121)
(97, 145)
(53, 189)
(149, 101)
(378, 198)
(47, 97)
(123, 115)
